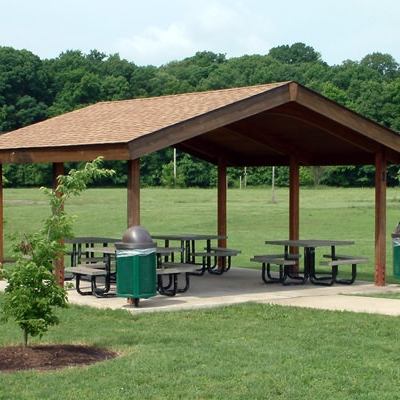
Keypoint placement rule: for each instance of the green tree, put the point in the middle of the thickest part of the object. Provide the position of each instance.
(193, 70)
(114, 88)
(370, 101)
(168, 177)
(240, 71)
(391, 106)
(334, 93)
(197, 173)
(151, 167)
(76, 80)
(31, 90)
(385, 64)
(141, 81)
(30, 298)
(295, 54)
(24, 94)
(32, 292)
(28, 175)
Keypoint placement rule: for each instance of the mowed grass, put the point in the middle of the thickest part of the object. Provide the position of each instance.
(247, 351)
(326, 213)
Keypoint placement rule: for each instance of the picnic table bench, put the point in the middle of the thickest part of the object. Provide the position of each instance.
(83, 272)
(222, 254)
(173, 270)
(283, 263)
(343, 259)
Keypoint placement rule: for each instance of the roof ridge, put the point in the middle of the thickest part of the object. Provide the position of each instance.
(234, 89)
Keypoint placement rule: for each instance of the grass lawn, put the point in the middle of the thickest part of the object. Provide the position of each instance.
(249, 351)
(326, 213)
(387, 295)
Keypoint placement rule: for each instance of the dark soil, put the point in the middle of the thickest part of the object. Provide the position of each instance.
(48, 357)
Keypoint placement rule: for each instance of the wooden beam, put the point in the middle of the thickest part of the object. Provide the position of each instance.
(58, 169)
(210, 151)
(380, 219)
(133, 200)
(326, 159)
(250, 131)
(350, 158)
(67, 153)
(198, 125)
(271, 141)
(326, 126)
(346, 117)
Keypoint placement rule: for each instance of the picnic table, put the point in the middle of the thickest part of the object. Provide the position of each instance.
(93, 262)
(188, 243)
(288, 262)
(212, 257)
(81, 251)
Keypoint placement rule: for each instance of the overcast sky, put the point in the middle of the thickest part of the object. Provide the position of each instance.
(154, 32)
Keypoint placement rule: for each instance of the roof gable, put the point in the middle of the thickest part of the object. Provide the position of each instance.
(254, 125)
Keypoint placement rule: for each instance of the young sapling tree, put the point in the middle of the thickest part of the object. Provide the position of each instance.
(33, 292)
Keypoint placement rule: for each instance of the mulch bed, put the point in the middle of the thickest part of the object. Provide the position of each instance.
(48, 357)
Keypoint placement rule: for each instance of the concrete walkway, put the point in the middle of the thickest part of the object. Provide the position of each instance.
(241, 285)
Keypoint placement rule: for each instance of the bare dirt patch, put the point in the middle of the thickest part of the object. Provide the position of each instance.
(48, 357)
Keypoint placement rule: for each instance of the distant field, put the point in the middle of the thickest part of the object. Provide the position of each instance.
(344, 214)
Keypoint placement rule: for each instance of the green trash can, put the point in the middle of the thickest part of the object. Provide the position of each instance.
(136, 265)
(396, 251)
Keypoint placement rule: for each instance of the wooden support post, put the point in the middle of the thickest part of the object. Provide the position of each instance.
(221, 208)
(294, 199)
(380, 218)
(222, 199)
(133, 201)
(294, 204)
(58, 169)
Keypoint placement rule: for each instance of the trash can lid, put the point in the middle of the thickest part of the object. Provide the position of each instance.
(136, 237)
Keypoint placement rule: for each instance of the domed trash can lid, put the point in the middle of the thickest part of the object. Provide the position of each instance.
(396, 233)
(136, 237)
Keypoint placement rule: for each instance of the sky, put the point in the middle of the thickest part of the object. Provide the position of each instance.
(155, 32)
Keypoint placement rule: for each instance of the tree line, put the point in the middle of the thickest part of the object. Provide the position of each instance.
(32, 90)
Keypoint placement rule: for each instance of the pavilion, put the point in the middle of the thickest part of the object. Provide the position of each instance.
(278, 124)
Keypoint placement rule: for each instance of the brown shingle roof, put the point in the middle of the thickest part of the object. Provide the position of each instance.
(255, 125)
(123, 121)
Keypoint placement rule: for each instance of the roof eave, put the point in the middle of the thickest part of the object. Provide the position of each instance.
(64, 154)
